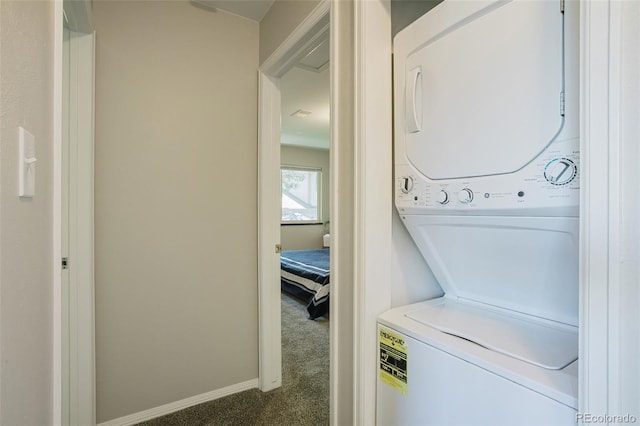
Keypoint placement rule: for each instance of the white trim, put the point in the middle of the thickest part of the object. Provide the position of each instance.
(594, 207)
(269, 215)
(341, 327)
(57, 212)
(269, 212)
(79, 164)
(374, 198)
(609, 337)
(172, 407)
(627, 317)
(82, 369)
(336, 225)
(614, 202)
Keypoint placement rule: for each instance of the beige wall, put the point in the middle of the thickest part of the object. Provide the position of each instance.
(300, 237)
(26, 91)
(175, 200)
(282, 18)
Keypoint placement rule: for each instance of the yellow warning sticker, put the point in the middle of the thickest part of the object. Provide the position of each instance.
(393, 360)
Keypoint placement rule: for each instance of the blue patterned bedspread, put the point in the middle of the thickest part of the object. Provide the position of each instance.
(305, 274)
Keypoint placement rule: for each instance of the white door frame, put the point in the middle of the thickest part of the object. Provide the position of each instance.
(373, 195)
(73, 296)
(609, 211)
(80, 291)
(269, 214)
(270, 341)
(58, 87)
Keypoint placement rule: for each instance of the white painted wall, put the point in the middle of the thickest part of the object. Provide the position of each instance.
(26, 225)
(175, 202)
(301, 237)
(411, 278)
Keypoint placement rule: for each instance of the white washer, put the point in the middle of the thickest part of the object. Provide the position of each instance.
(487, 163)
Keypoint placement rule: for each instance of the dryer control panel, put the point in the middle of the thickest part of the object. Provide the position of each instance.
(549, 186)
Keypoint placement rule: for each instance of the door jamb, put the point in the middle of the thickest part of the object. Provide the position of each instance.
(80, 250)
(608, 215)
(82, 365)
(373, 198)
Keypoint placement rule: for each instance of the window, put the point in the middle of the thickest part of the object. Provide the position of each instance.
(300, 194)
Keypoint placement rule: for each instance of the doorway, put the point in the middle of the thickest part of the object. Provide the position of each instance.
(296, 47)
(305, 230)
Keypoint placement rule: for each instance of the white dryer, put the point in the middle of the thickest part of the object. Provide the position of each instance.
(486, 182)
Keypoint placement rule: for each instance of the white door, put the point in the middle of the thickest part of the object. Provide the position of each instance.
(78, 371)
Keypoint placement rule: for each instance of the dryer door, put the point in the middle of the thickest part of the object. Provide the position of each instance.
(483, 92)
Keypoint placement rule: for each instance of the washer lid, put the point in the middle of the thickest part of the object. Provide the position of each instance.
(482, 91)
(536, 342)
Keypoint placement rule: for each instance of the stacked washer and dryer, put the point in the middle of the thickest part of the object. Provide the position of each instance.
(486, 182)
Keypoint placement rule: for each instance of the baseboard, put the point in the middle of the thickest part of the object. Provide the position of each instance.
(152, 413)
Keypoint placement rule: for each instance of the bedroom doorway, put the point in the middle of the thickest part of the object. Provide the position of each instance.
(305, 230)
(287, 80)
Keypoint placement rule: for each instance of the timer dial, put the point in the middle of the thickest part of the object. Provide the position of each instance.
(465, 196)
(442, 197)
(560, 171)
(406, 184)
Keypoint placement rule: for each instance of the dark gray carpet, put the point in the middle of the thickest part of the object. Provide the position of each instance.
(303, 399)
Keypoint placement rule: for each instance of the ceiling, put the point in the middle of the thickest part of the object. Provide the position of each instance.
(305, 88)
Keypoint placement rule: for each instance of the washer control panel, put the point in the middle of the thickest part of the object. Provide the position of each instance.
(550, 182)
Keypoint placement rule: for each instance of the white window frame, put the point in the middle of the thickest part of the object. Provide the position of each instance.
(318, 170)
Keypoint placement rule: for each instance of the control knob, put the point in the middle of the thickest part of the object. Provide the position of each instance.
(406, 184)
(465, 196)
(560, 171)
(442, 197)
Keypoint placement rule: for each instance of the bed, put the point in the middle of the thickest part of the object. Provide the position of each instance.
(305, 275)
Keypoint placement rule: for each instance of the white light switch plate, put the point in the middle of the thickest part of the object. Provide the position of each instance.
(26, 163)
